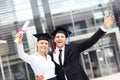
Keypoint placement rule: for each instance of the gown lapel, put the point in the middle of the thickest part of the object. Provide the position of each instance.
(65, 55)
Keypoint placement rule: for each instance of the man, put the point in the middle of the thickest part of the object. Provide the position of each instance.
(66, 57)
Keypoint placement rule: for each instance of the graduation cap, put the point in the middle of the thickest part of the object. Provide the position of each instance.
(61, 30)
(42, 36)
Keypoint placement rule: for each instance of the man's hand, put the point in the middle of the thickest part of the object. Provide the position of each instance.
(108, 21)
(41, 77)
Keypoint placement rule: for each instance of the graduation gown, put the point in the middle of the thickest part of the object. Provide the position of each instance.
(71, 67)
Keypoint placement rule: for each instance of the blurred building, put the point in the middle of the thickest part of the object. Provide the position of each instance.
(81, 17)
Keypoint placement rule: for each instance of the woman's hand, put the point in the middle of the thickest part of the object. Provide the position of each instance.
(41, 77)
(19, 36)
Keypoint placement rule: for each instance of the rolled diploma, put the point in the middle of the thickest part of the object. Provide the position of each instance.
(23, 29)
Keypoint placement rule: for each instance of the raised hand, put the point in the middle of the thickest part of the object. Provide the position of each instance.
(108, 21)
(19, 36)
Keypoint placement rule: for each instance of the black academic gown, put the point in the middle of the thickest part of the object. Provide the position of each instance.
(71, 67)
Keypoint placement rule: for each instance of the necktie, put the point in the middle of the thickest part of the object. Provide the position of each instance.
(60, 57)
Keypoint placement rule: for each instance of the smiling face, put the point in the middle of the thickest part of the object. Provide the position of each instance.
(60, 40)
(42, 46)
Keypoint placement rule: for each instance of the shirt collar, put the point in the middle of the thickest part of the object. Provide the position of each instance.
(38, 54)
(57, 49)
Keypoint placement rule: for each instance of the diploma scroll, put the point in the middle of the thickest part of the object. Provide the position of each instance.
(22, 30)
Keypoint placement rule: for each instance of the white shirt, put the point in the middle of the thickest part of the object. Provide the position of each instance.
(56, 55)
(103, 29)
(38, 63)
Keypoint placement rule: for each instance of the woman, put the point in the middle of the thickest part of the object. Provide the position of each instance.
(40, 61)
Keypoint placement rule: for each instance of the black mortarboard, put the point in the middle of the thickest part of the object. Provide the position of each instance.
(42, 36)
(61, 30)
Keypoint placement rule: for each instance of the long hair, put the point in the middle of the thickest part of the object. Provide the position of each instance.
(36, 47)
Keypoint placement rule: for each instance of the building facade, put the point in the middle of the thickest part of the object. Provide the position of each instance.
(81, 17)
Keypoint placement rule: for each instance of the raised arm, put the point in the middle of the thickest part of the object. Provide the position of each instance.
(108, 21)
(92, 40)
(27, 58)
